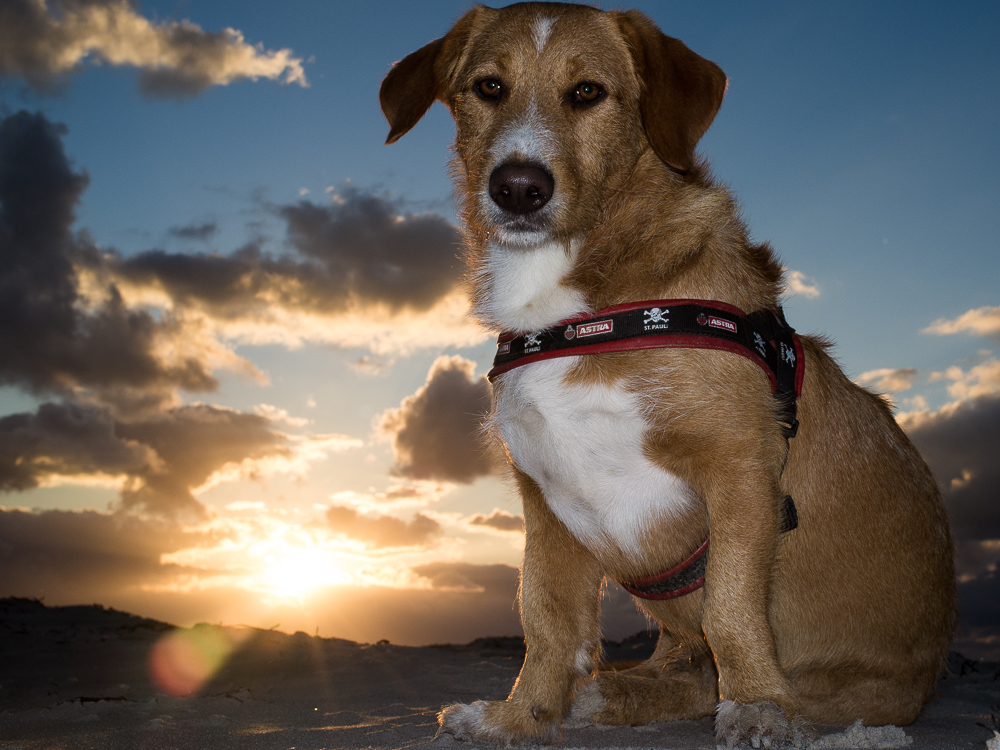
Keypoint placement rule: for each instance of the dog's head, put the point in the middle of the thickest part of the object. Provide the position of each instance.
(554, 104)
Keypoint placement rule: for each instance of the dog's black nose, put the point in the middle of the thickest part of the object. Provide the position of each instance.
(520, 188)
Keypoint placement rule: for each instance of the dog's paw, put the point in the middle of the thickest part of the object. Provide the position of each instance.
(587, 705)
(759, 725)
(500, 722)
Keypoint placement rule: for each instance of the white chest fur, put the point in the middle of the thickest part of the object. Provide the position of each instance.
(583, 446)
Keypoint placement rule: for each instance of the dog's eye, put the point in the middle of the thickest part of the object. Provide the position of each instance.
(488, 88)
(586, 93)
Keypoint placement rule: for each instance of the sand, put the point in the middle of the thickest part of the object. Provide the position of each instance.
(79, 677)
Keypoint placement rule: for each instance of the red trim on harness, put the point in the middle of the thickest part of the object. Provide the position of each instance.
(636, 586)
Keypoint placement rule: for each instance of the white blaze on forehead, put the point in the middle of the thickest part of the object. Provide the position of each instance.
(540, 30)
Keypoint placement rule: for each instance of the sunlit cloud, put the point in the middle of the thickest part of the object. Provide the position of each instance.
(797, 282)
(889, 379)
(982, 321)
(159, 462)
(46, 41)
(980, 380)
(273, 413)
(407, 495)
(383, 531)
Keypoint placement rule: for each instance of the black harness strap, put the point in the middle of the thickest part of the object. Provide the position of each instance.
(762, 336)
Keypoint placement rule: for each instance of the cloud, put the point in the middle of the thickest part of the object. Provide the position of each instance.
(983, 321)
(797, 282)
(200, 232)
(158, 462)
(889, 379)
(981, 380)
(383, 531)
(499, 520)
(358, 252)
(51, 339)
(66, 440)
(362, 272)
(979, 610)
(76, 320)
(75, 556)
(961, 443)
(470, 577)
(45, 42)
(435, 433)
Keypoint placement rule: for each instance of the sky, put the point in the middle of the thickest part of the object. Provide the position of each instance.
(237, 383)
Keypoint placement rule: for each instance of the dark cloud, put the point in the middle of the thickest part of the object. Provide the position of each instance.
(193, 442)
(467, 576)
(358, 251)
(200, 232)
(961, 445)
(383, 531)
(499, 520)
(65, 440)
(435, 433)
(373, 254)
(979, 613)
(86, 556)
(49, 343)
(46, 42)
(164, 456)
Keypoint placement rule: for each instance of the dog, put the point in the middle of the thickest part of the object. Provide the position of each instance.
(582, 194)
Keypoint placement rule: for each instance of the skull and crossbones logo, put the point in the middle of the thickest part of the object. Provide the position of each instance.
(532, 339)
(656, 315)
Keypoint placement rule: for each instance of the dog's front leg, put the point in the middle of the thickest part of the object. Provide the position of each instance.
(757, 704)
(560, 608)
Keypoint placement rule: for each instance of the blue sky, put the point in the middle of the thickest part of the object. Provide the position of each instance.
(860, 139)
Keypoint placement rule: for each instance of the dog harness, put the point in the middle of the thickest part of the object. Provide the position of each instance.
(762, 336)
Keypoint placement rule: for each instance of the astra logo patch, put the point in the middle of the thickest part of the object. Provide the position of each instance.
(726, 325)
(594, 329)
(503, 348)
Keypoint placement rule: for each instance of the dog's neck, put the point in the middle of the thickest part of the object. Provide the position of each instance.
(524, 289)
(664, 235)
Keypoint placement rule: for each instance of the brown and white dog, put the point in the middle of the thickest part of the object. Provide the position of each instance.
(581, 190)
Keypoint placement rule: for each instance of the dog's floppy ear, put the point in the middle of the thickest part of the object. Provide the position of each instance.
(681, 91)
(414, 82)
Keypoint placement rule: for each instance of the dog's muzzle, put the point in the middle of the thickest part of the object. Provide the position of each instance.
(521, 188)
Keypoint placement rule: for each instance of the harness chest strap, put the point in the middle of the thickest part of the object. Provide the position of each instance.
(762, 336)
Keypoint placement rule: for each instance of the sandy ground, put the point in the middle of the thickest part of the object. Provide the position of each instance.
(80, 678)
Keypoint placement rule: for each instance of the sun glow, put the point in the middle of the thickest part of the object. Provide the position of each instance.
(293, 572)
(288, 560)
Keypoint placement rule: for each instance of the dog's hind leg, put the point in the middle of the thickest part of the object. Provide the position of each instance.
(677, 682)
(560, 611)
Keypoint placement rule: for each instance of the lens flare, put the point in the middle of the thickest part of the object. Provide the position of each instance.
(182, 661)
